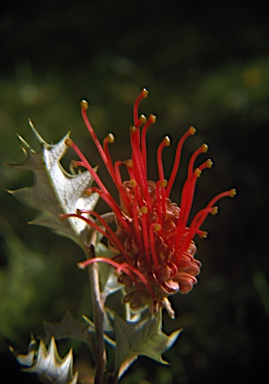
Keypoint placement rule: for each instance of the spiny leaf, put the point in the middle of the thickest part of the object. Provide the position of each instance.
(47, 364)
(141, 338)
(55, 191)
(107, 328)
(108, 279)
(69, 327)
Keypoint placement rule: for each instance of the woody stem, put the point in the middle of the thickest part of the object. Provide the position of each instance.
(98, 318)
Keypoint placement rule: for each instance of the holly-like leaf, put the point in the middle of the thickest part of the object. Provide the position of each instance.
(141, 338)
(108, 279)
(47, 364)
(69, 327)
(106, 325)
(55, 191)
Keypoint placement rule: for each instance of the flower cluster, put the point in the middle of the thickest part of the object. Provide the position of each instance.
(154, 239)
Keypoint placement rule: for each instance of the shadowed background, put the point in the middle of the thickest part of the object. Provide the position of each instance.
(205, 64)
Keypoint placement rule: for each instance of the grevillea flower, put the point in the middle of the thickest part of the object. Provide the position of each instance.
(154, 238)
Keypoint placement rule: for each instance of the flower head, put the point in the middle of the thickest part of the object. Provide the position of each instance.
(154, 239)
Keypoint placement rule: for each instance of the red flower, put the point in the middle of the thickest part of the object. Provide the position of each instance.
(154, 241)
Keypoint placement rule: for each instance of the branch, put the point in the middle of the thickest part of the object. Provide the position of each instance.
(98, 318)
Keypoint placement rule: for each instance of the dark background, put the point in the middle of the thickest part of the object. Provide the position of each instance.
(205, 64)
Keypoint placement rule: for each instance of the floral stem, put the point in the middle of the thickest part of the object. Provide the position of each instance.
(111, 378)
(98, 318)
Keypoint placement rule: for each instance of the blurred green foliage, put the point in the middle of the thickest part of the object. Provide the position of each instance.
(205, 64)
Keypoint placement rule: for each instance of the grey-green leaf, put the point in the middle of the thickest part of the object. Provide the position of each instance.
(55, 191)
(141, 338)
(69, 327)
(48, 365)
(108, 279)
